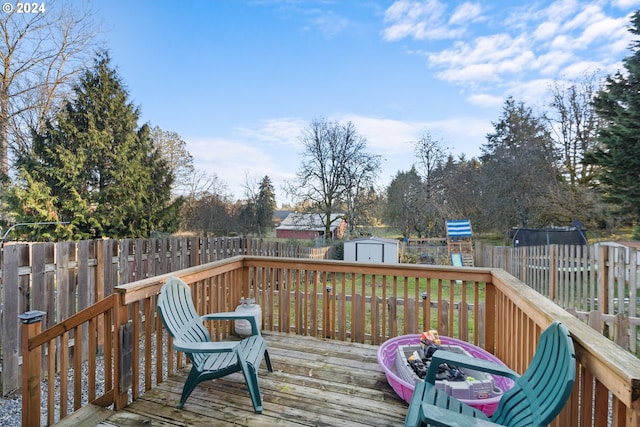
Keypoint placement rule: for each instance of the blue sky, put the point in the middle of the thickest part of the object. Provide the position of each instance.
(239, 80)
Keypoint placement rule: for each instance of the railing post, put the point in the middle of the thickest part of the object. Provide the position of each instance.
(121, 397)
(490, 322)
(31, 368)
(328, 331)
(426, 321)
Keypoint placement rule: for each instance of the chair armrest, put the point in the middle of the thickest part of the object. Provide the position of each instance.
(205, 347)
(234, 315)
(439, 417)
(465, 361)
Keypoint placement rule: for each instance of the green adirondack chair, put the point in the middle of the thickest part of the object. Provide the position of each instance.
(536, 399)
(210, 359)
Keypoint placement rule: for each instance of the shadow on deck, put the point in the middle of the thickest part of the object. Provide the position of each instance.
(315, 383)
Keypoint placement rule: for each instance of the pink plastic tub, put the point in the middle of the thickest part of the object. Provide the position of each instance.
(387, 355)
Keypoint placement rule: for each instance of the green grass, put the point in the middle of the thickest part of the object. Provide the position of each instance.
(414, 289)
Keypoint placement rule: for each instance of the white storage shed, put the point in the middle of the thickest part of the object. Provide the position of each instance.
(371, 250)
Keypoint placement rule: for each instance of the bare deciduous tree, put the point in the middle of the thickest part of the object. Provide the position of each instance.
(40, 56)
(335, 168)
(207, 206)
(575, 124)
(431, 155)
(173, 150)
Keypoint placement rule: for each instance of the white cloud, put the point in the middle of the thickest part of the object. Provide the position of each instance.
(551, 63)
(411, 10)
(465, 13)
(490, 49)
(471, 74)
(385, 136)
(586, 16)
(561, 42)
(486, 100)
(392, 139)
(462, 135)
(232, 160)
(576, 70)
(625, 4)
(281, 131)
(328, 22)
(530, 91)
(527, 45)
(546, 30)
(484, 60)
(421, 20)
(521, 61)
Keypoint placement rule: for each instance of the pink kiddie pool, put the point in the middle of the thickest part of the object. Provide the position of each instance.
(480, 390)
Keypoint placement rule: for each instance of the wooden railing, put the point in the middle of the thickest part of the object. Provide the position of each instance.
(346, 301)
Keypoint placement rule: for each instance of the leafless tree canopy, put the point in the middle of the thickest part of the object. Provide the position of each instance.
(40, 56)
(430, 153)
(575, 124)
(173, 150)
(335, 168)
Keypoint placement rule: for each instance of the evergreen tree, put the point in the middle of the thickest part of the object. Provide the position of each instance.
(94, 167)
(405, 203)
(265, 204)
(618, 157)
(520, 169)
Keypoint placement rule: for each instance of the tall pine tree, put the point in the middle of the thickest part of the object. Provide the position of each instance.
(265, 205)
(618, 105)
(520, 170)
(95, 168)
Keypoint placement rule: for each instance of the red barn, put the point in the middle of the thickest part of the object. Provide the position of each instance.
(304, 226)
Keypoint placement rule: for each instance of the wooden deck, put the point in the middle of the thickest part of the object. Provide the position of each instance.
(315, 383)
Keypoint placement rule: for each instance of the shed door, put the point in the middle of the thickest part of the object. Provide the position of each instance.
(370, 252)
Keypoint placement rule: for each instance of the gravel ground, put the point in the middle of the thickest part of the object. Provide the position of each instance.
(11, 410)
(11, 405)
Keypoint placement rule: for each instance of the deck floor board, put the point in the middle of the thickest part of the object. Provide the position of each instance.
(315, 382)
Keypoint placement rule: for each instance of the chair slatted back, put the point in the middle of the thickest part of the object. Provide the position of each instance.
(540, 393)
(180, 317)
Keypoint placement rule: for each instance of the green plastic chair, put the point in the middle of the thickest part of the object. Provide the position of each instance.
(210, 359)
(536, 398)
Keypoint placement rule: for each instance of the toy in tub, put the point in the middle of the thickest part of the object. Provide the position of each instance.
(478, 389)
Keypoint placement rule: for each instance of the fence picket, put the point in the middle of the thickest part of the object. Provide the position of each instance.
(38, 279)
(11, 310)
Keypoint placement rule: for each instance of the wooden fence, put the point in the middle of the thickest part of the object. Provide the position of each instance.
(64, 278)
(598, 283)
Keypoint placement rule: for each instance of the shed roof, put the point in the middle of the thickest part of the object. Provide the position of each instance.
(373, 239)
(308, 221)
